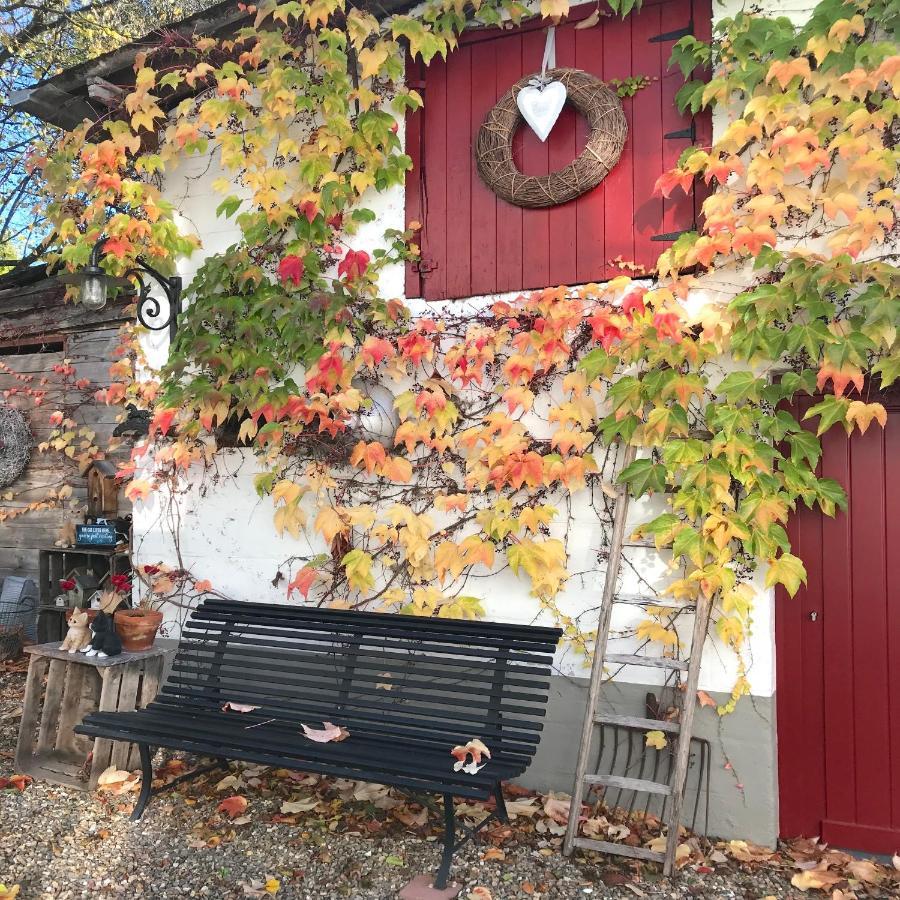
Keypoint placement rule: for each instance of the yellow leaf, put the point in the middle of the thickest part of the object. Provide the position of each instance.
(862, 414)
(656, 739)
(372, 59)
(447, 558)
(553, 8)
(329, 523)
(815, 879)
(272, 885)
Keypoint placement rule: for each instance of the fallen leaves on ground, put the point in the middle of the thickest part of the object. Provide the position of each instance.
(261, 888)
(233, 806)
(118, 781)
(316, 805)
(9, 893)
(19, 782)
(325, 735)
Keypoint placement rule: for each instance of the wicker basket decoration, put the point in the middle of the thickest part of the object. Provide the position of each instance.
(15, 444)
(493, 148)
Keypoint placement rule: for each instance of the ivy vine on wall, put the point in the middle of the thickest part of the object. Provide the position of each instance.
(506, 413)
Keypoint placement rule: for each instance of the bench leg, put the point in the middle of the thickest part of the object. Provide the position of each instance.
(501, 813)
(146, 782)
(443, 873)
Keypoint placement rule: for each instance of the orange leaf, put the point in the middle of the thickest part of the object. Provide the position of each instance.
(233, 806)
(303, 581)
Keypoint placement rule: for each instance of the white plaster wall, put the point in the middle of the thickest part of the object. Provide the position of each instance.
(227, 533)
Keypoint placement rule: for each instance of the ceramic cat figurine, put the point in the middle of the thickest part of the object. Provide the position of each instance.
(79, 635)
(104, 640)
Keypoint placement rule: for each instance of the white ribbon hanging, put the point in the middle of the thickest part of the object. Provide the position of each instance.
(541, 100)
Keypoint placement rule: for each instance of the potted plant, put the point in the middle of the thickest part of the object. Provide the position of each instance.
(137, 627)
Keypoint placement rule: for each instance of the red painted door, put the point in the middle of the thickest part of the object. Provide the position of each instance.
(838, 654)
(472, 242)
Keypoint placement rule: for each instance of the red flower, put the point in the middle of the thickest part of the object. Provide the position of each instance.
(353, 265)
(291, 269)
(67, 584)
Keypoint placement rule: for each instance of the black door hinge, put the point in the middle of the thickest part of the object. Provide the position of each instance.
(673, 35)
(670, 235)
(689, 133)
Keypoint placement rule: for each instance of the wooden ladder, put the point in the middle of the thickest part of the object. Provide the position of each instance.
(673, 790)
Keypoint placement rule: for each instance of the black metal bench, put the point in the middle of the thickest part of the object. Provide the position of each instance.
(408, 690)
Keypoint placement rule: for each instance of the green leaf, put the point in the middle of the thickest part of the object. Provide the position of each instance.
(805, 446)
(830, 411)
(228, 207)
(595, 364)
(830, 496)
(644, 476)
(741, 386)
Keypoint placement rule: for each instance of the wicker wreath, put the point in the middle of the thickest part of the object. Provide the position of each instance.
(15, 444)
(493, 149)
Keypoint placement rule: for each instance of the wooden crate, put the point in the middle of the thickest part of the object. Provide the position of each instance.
(62, 688)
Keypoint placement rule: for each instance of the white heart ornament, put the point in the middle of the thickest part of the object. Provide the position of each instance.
(540, 108)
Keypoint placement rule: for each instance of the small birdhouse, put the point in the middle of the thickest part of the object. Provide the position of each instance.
(103, 489)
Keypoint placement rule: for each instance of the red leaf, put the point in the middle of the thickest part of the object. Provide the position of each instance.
(308, 208)
(353, 265)
(232, 806)
(118, 247)
(303, 581)
(291, 269)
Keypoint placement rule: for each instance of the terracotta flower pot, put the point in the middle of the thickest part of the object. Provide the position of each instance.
(137, 628)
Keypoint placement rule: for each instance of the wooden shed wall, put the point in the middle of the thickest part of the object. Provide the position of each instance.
(29, 315)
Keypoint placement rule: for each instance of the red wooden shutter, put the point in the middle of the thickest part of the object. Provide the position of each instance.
(474, 243)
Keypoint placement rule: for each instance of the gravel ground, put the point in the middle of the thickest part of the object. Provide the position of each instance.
(58, 843)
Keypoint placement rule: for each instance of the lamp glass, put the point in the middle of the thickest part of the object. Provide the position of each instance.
(93, 291)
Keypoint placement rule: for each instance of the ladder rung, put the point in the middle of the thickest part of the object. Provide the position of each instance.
(620, 849)
(657, 662)
(629, 784)
(637, 722)
(644, 600)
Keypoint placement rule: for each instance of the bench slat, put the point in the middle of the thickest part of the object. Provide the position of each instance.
(410, 674)
(314, 639)
(367, 621)
(511, 744)
(457, 661)
(227, 673)
(456, 721)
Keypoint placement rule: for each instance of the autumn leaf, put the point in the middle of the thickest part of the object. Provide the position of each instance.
(325, 735)
(303, 581)
(554, 8)
(290, 269)
(233, 806)
(815, 879)
(656, 739)
(862, 414)
(230, 705)
(705, 700)
(787, 570)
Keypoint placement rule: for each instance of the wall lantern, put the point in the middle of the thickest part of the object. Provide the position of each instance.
(94, 285)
